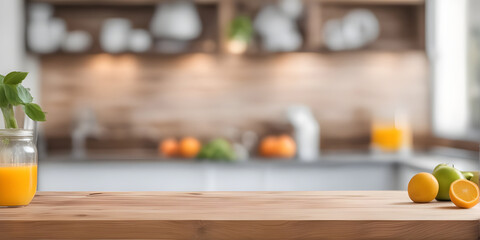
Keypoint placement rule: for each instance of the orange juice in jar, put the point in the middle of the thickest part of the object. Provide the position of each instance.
(391, 134)
(18, 167)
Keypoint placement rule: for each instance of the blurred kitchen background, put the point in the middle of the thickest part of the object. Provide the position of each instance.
(247, 95)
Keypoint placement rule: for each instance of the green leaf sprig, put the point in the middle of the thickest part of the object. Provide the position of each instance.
(12, 93)
(240, 29)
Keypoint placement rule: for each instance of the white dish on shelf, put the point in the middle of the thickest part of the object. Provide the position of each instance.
(77, 41)
(115, 34)
(357, 29)
(139, 41)
(46, 36)
(177, 20)
(279, 32)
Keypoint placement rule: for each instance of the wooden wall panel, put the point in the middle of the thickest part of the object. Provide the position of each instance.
(151, 97)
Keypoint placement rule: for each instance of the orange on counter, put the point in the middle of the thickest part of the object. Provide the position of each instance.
(268, 146)
(189, 147)
(423, 187)
(464, 193)
(286, 147)
(169, 147)
(282, 146)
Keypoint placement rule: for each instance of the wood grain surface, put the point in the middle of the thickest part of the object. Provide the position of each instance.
(207, 96)
(236, 215)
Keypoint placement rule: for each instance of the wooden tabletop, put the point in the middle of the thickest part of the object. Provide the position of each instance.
(236, 215)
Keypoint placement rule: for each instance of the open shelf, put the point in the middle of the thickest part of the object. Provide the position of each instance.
(401, 26)
(150, 2)
(88, 17)
(376, 2)
(114, 2)
(402, 22)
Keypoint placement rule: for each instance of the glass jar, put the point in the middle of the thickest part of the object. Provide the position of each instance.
(390, 133)
(18, 167)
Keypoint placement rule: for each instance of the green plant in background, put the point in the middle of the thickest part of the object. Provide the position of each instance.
(217, 150)
(12, 93)
(241, 29)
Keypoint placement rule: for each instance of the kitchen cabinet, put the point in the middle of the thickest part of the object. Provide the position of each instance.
(275, 175)
(195, 176)
(378, 176)
(336, 172)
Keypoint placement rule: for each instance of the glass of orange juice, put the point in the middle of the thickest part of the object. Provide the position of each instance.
(18, 167)
(390, 133)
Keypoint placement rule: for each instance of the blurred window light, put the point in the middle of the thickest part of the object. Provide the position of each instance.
(11, 42)
(447, 33)
(473, 61)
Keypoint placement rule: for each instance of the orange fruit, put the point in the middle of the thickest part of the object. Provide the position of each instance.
(189, 147)
(169, 147)
(268, 146)
(286, 147)
(423, 187)
(281, 146)
(464, 193)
